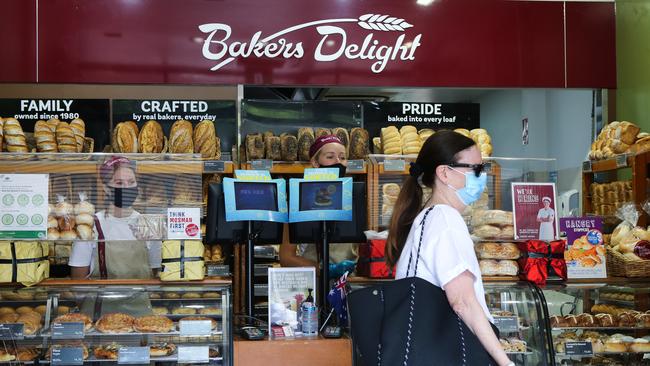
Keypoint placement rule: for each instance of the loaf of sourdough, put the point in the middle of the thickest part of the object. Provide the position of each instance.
(289, 147)
(180, 138)
(254, 147)
(205, 139)
(343, 135)
(273, 148)
(151, 138)
(359, 143)
(322, 132)
(305, 140)
(125, 137)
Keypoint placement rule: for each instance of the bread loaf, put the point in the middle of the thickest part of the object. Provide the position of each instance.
(322, 132)
(425, 133)
(266, 135)
(491, 217)
(273, 148)
(626, 132)
(359, 143)
(462, 131)
(289, 147)
(640, 145)
(391, 141)
(125, 137)
(497, 251)
(151, 138)
(376, 145)
(205, 139)
(45, 137)
(180, 138)
(14, 136)
(79, 128)
(2, 140)
(65, 139)
(486, 231)
(411, 141)
(343, 135)
(254, 147)
(305, 140)
(217, 148)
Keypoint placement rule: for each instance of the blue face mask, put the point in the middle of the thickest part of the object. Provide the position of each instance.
(474, 187)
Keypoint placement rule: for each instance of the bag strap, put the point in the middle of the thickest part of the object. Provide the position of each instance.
(101, 250)
(417, 259)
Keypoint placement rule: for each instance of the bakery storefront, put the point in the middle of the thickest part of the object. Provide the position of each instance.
(121, 119)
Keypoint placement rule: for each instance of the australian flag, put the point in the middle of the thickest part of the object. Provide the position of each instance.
(337, 299)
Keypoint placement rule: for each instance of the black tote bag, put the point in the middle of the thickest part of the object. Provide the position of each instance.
(409, 322)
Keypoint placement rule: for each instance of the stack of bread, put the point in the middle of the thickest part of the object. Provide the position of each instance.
(606, 198)
(631, 241)
(390, 193)
(69, 222)
(405, 141)
(498, 259)
(289, 147)
(492, 224)
(213, 253)
(619, 138)
(481, 137)
(13, 137)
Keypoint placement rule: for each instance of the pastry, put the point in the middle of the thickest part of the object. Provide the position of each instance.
(183, 311)
(615, 345)
(8, 318)
(65, 139)
(151, 138)
(31, 322)
(585, 320)
(125, 137)
(155, 295)
(7, 310)
(84, 232)
(5, 356)
(626, 320)
(66, 223)
(160, 310)
(161, 349)
(153, 324)
(68, 235)
(74, 318)
(205, 139)
(211, 295)
(171, 295)
(558, 321)
(273, 148)
(107, 351)
(189, 318)
(489, 250)
(25, 353)
(18, 295)
(180, 138)
(214, 352)
(605, 320)
(643, 320)
(45, 137)
(210, 311)
(191, 295)
(63, 310)
(640, 345)
(24, 309)
(571, 320)
(321, 132)
(288, 147)
(79, 129)
(115, 323)
(305, 140)
(14, 137)
(76, 344)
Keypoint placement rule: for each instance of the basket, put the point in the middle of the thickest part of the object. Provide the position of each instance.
(619, 266)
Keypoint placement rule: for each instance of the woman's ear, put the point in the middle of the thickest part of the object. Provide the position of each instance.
(441, 173)
(314, 163)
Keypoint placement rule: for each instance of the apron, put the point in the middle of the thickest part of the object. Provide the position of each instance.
(546, 229)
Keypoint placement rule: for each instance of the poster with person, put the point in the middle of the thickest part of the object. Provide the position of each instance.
(534, 211)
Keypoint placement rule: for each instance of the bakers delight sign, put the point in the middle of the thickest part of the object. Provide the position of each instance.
(218, 48)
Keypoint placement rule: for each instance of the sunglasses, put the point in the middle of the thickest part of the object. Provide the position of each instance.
(477, 168)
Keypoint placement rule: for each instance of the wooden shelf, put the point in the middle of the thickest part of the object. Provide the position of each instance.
(298, 167)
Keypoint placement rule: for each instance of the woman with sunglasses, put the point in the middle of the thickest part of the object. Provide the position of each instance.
(450, 164)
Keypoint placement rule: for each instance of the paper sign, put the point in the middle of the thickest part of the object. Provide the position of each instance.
(356, 166)
(133, 355)
(578, 348)
(195, 328)
(11, 331)
(394, 165)
(507, 324)
(253, 175)
(586, 166)
(621, 161)
(287, 289)
(321, 173)
(585, 254)
(534, 211)
(214, 166)
(23, 206)
(194, 354)
(184, 223)
(67, 356)
(68, 331)
(263, 164)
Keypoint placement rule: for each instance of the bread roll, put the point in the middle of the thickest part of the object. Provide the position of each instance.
(391, 189)
(45, 137)
(68, 235)
(391, 141)
(305, 140)
(322, 132)
(507, 268)
(487, 231)
(84, 219)
(66, 223)
(53, 234)
(489, 267)
(180, 138)
(343, 135)
(273, 148)
(288, 147)
(125, 137)
(85, 232)
(14, 137)
(151, 138)
(497, 251)
(65, 139)
(359, 143)
(254, 147)
(425, 133)
(79, 128)
(205, 139)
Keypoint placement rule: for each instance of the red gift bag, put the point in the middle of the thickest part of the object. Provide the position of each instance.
(372, 262)
(542, 259)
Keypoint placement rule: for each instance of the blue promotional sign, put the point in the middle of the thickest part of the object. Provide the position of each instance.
(255, 200)
(320, 200)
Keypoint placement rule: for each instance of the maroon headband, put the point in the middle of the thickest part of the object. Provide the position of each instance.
(108, 167)
(322, 141)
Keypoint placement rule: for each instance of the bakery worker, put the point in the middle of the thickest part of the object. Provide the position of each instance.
(326, 152)
(122, 255)
(546, 219)
(434, 234)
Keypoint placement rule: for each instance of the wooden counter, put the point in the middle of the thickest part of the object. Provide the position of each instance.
(298, 351)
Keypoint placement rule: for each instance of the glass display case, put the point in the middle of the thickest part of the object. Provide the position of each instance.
(85, 322)
(600, 323)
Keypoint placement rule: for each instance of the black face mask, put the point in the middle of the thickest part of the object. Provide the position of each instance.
(340, 166)
(124, 197)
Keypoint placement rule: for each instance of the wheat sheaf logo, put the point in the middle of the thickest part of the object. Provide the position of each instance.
(216, 46)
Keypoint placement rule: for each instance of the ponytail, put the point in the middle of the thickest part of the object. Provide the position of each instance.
(407, 207)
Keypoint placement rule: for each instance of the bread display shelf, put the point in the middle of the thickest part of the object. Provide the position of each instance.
(92, 359)
(294, 167)
(176, 333)
(600, 328)
(600, 353)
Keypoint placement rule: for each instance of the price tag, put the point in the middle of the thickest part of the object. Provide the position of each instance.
(586, 166)
(394, 165)
(195, 328)
(355, 166)
(213, 270)
(12, 331)
(621, 161)
(507, 324)
(68, 331)
(67, 356)
(133, 355)
(264, 164)
(214, 166)
(194, 354)
(578, 348)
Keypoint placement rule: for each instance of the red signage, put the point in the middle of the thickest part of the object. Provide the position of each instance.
(448, 43)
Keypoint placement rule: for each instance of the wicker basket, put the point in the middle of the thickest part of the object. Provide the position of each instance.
(619, 266)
